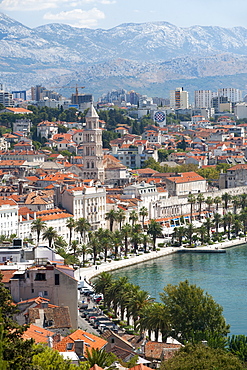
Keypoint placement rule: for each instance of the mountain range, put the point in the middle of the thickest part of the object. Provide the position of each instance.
(149, 57)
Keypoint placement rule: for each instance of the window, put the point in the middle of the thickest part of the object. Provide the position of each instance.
(69, 346)
(57, 282)
(112, 340)
(45, 293)
(40, 277)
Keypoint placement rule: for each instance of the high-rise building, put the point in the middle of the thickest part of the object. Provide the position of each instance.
(6, 98)
(234, 95)
(179, 99)
(203, 98)
(92, 147)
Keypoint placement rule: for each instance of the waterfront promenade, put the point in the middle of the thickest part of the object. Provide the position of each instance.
(88, 273)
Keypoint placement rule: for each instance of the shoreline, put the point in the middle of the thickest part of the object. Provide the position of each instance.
(87, 273)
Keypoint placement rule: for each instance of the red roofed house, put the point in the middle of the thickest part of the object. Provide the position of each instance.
(55, 282)
(78, 342)
(47, 129)
(185, 183)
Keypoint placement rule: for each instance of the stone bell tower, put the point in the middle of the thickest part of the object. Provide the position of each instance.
(92, 147)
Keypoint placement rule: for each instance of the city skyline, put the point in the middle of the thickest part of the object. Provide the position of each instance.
(107, 14)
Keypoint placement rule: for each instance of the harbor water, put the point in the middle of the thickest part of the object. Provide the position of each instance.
(224, 276)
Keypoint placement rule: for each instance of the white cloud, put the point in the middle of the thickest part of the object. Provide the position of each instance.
(77, 17)
(29, 5)
(24, 5)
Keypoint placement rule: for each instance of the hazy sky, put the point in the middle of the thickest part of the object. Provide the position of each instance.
(109, 13)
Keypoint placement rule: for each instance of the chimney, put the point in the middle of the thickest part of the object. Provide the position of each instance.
(79, 347)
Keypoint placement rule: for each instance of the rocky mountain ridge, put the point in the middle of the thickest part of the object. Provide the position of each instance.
(137, 55)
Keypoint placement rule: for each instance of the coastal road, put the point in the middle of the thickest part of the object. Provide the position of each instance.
(83, 323)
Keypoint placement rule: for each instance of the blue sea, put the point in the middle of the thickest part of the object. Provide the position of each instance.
(222, 275)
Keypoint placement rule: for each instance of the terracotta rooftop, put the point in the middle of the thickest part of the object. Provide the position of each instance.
(39, 335)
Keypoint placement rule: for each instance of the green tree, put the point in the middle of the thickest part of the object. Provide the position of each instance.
(237, 345)
(47, 358)
(143, 213)
(189, 231)
(191, 200)
(70, 224)
(200, 357)
(50, 234)
(217, 201)
(217, 221)
(209, 201)
(133, 217)
(15, 353)
(200, 199)
(111, 216)
(226, 197)
(191, 312)
(82, 226)
(102, 283)
(38, 225)
(155, 230)
(120, 217)
(126, 232)
(100, 357)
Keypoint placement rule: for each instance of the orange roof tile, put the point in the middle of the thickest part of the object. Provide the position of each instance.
(39, 335)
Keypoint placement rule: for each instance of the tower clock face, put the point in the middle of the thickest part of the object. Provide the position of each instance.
(159, 116)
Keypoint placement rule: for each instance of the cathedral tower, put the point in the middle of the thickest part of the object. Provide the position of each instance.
(92, 147)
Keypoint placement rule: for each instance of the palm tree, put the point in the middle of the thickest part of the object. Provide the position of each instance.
(117, 292)
(50, 234)
(146, 240)
(217, 201)
(98, 357)
(133, 217)
(139, 300)
(105, 238)
(179, 233)
(209, 201)
(136, 239)
(216, 221)
(95, 245)
(191, 199)
(208, 225)
(236, 224)
(155, 230)
(82, 226)
(116, 241)
(200, 199)
(243, 198)
(60, 243)
(236, 203)
(143, 213)
(153, 317)
(75, 247)
(189, 231)
(226, 197)
(202, 231)
(84, 250)
(102, 283)
(38, 225)
(120, 217)
(227, 219)
(70, 225)
(243, 218)
(126, 232)
(111, 216)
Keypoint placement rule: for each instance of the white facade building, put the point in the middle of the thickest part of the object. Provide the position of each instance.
(84, 202)
(47, 129)
(8, 217)
(234, 95)
(203, 98)
(179, 99)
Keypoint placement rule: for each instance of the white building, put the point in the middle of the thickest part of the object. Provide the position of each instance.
(179, 99)
(47, 129)
(234, 95)
(8, 217)
(22, 125)
(203, 98)
(84, 202)
(240, 110)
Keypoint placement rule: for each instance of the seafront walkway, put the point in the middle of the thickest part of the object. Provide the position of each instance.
(87, 273)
